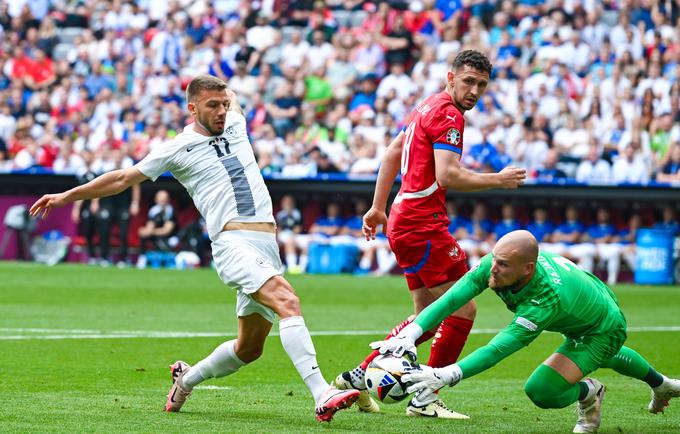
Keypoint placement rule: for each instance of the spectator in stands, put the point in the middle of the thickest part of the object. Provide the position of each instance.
(661, 138)
(508, 222)
(630, 167)
(459, 225)
(549, 172)
(295, 51)
(478, 241)
(568, 241)
(159, 227)
(531, 150)
(365, 95)
(289, 228)
(398, 43)
(594, 169)
(670, 172)
(627, 238)
(285, 108)
(668, 221)
(481, 154)
(603, 235)
(540, 227)
(398, 81)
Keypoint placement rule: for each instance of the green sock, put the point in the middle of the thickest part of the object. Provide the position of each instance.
(630, 363)
(548, 389)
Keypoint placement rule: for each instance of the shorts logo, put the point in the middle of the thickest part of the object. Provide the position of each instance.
(453, 136)
(261, 261)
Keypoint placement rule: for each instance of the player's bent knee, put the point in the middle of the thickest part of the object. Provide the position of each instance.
(543, 392)
(287, 302)
(250, 352)
(537, 394)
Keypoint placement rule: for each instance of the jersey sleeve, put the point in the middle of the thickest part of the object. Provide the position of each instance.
(483, 358)
(469, 286)
(526, 326)
(158, 161)
(445, 130)
(236, 116)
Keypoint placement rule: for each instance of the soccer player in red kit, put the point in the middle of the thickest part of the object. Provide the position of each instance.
(427, 154)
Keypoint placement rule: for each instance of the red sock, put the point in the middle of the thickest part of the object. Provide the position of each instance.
(449, 340)
(395, 331)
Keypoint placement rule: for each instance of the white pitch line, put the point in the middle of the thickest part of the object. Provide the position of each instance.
(62, 334)
(211, 387)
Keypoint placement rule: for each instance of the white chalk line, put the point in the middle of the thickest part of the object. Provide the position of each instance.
(62, 334)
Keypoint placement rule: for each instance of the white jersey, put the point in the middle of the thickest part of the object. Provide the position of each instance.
(219, 172)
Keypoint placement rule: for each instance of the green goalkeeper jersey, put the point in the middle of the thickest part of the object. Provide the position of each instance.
(560, 298)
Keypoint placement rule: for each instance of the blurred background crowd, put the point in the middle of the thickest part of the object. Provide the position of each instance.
(582, 90)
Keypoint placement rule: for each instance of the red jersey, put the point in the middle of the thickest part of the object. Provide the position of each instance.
(420, 205)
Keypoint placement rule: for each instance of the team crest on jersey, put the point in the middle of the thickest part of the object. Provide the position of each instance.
(453, 136)
(230, 131)
(454, 252)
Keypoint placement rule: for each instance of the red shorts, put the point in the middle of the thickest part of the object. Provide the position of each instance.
(429, 260)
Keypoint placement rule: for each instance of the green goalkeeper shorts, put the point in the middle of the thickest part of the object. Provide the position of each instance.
(591, 352)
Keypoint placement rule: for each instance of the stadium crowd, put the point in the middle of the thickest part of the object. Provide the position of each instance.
(581, 90)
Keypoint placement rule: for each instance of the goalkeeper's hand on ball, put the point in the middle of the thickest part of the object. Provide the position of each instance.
(398, 346)
(426, 381)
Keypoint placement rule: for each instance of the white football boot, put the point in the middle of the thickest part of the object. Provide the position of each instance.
(590, 409)
(178, 394)
(334, 400)
(670, 388)
(434, 409)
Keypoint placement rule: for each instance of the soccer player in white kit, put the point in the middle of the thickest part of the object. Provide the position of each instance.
(214, 161)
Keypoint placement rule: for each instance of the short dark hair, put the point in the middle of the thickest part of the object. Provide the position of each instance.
(204, 82)
(473, 59)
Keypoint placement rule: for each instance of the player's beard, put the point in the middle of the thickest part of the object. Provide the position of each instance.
(511, 287)
(217, 131)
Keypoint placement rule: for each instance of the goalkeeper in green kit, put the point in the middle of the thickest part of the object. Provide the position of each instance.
(546, 292)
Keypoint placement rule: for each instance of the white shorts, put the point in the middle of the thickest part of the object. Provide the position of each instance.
(245, 260)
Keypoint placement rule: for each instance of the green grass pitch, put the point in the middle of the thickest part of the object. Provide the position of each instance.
(87, 350)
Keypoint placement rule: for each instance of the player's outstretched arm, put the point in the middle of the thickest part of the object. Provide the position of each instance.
(450, 174)
(107, 184)
(389, 168)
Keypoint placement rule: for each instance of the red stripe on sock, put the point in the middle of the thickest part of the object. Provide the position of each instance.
(449, 341)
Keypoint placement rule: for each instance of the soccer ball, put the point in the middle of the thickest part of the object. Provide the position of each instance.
(383, 378)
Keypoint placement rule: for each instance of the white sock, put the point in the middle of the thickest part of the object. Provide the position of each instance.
(303, 262)
(365, 263)
(221, 362)
(291, 260)
(298, 344)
